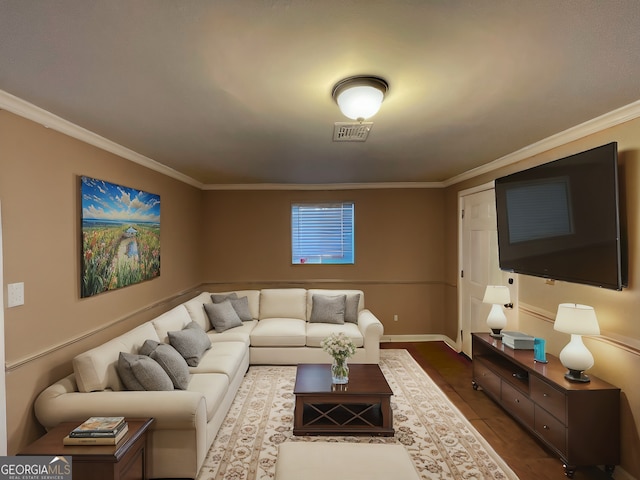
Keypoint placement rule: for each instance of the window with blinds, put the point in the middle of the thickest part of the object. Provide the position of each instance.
(322, 233)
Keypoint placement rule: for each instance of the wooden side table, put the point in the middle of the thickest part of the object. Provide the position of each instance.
(126, 460)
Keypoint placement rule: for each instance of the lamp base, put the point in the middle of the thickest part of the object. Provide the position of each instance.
(496, 332)
(577, 376)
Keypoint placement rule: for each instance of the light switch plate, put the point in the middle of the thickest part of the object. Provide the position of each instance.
(15, 294)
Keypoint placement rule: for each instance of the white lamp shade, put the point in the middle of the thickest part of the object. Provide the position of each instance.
(360, 101)
(496, 294)
(576, 319)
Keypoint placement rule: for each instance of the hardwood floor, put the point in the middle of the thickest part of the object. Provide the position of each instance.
(525, 455)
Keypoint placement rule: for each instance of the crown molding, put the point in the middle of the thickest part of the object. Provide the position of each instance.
(47, 119)
(598, 124)
(323, 186)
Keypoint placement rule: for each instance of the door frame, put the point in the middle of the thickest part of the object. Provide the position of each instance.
(508, 277)
(461, 196)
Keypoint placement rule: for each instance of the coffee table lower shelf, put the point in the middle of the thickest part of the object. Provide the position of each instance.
(321, 418)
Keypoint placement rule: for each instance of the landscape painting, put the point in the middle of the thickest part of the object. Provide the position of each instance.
(120, 236)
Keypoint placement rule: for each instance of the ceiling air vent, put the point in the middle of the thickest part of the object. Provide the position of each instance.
(351, 131)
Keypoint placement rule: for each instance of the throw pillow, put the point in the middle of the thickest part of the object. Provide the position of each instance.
(221, 297)
(139, 372)
(351, 308)
(191, 342)
(222, 316)
(241, 306)
(170, 360)
(327, 308)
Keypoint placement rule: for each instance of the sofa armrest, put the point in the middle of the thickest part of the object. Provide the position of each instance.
(372, 330)
(177, 409)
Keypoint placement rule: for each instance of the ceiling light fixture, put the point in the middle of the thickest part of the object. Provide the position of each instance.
(360, 97)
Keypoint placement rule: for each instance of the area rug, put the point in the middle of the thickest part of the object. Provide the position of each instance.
(440, 440)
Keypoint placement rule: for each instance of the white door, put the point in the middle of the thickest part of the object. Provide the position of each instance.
(478, 261)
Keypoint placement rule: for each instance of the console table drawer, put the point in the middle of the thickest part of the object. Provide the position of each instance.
(550, 398)
(487, 379)
(518, 404)
(553, 431)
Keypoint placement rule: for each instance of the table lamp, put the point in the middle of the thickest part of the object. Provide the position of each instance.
(497, 296)
(577, 320)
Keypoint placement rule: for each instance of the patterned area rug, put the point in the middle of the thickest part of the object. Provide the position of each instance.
(440, 440)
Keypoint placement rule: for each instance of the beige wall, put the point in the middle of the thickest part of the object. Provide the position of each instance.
(39, 189)
(617, 350)
(399, 240)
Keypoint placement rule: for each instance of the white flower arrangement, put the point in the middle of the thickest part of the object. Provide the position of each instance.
(339, 346)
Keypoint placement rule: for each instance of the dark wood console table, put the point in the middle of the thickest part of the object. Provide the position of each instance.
(580, 422)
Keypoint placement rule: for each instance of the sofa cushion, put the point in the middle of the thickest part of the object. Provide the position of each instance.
(192, 341)
(222, 315)
(279, 332)
(237, 334)
(222, 357)
(328, 308)
(351, 294)
(195, 308)
(139, 372)
(170, 360)
(95, 369)
(283, 303)
(316, 332)
(175, 319)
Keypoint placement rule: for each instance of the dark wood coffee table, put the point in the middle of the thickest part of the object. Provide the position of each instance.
(362, 406)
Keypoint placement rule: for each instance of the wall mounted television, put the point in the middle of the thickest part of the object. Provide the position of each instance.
(561, 220)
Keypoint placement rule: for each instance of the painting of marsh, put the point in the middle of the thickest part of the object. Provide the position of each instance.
(120, 236)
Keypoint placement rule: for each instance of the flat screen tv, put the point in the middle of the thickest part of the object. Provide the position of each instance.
(561, 220)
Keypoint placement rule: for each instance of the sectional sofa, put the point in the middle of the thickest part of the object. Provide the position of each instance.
(184, 367)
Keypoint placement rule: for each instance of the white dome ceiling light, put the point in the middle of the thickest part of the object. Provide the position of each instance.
(360, 97)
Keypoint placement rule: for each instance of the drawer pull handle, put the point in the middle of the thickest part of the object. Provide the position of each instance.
(546, 427)
(545, 394)
(517, 400)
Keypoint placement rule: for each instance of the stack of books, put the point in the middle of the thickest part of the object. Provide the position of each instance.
(98, 431)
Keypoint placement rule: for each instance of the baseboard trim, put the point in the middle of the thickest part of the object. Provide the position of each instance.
(419, 338)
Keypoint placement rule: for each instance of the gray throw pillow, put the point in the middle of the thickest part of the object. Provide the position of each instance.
(241, 306)
(170, 360)
(351, 308)
(139, 372)
(221, 297)
(222, 316)
(191, 342)
(327, 308)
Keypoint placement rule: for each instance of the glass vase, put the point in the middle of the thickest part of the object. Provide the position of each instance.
(339, 371)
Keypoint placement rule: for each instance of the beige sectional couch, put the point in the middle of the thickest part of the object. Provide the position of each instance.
(281, 326)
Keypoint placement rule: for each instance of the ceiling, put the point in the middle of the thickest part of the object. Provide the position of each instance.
(239, 92)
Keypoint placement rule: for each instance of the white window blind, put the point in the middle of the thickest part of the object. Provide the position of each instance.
(322, 233)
